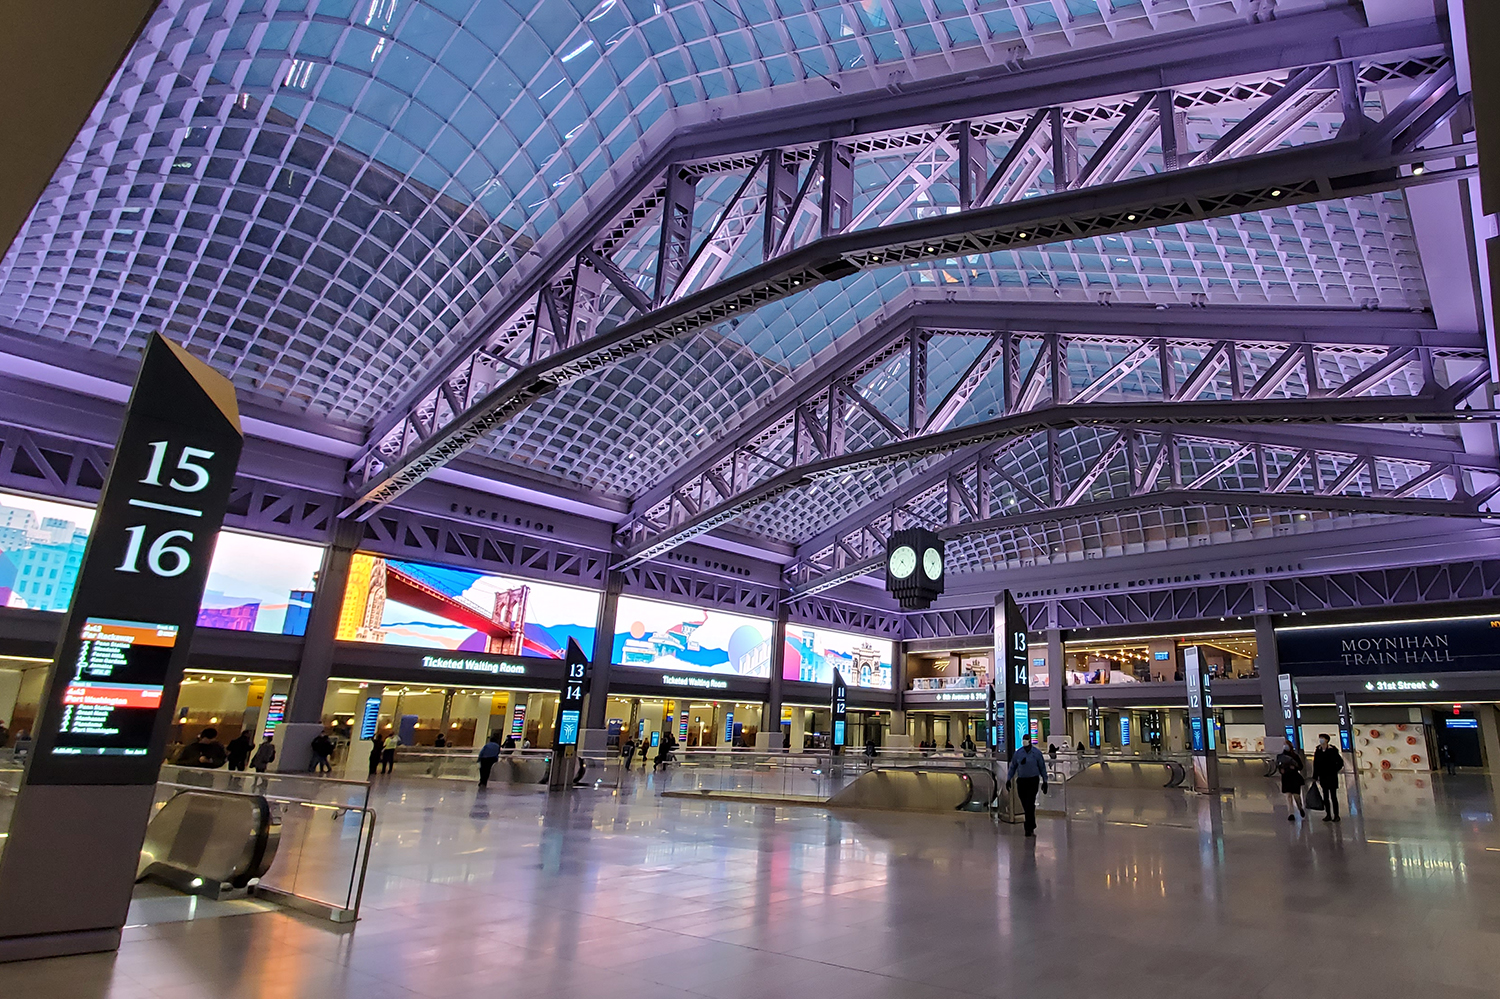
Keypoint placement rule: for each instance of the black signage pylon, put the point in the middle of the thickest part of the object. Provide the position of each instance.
(569, 724)
(840, 706)
(69, 863)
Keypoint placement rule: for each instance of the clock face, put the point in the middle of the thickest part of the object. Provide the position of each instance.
(932, 563)
(903, 561)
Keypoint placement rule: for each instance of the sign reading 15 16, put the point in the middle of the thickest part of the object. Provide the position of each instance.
(178, 472)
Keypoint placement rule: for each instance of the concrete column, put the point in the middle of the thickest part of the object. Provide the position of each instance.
(304, 710)
(799, 727)
(768, 739)
(1172, 732)
(603, 651)
(898, 737)
(1057, 689)
(1489, 731)
(10, 689)
(1269, 665)
(958, 724)
(357, 759)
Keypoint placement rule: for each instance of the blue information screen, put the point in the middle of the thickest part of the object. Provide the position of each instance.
(1124, 730)
(1463, 723)
(1346, 740)
(1196, 726)
(728, 728)
(567, 732)
(369, 719)
(1023, 723)
(838, 733)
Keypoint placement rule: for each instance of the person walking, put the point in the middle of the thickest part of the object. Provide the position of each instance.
(1328, 763)
(663, 751)
(488, 754)
(265, 755)
(322, 748)
(1289, 764)
(238, 751)
(1028, 768)
(388, 753)
(1445, 757)
(967, 745)
(377, 750)
(207, 752)
(627, 752)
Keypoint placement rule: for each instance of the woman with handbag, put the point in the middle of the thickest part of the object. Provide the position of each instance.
(1328, 763)
(1290, 766)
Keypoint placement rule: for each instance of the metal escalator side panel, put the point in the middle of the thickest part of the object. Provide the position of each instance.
(207, 836)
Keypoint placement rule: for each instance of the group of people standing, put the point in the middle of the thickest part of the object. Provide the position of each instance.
(664, 749)
(1327, 765)
(208, 753)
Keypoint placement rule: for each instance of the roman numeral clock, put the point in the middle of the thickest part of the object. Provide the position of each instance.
(914, 568)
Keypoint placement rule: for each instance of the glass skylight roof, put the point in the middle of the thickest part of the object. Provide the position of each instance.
(322, 197)
(318, 194)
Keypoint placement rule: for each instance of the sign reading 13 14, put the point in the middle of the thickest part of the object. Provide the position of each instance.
(164, 554)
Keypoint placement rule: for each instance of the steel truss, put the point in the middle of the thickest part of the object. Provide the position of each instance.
(1101, 396)
(797, 216)
(1450, 582)
(71, 469)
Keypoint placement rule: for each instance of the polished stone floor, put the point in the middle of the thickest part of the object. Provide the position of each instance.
(1137, 893)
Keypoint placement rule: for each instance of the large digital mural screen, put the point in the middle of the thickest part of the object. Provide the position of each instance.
(812, 654)
(41, 548)
(254, 583)
(260, 584)
(666, 636)
(394, 602)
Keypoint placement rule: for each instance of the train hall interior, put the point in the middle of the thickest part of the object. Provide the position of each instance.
(716, 499)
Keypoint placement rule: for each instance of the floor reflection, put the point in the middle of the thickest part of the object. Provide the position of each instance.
(605, 892)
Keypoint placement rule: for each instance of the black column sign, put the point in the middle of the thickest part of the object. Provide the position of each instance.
(569, 716)
(69, 863)
(1201, 734)
(1011, 662)
(840, 712)
(993, 720)
(1346, 721)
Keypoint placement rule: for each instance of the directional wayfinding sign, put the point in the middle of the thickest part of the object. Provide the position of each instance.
(1013, 665)
(569, 716)
(1346, 721)
(1291, 711)
(1201, 738)
(75, 837)
(840, 712)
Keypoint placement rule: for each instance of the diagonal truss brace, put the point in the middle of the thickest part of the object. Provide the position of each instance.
(436, 428)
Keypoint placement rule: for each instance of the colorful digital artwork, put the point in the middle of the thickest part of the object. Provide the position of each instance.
(394, 602)
(812, 654)
(41, 549)
(254, 583)
(671, 636)
(260, 584)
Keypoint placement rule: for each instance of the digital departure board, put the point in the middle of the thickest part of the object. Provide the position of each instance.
(275, 714)
(111, 702)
